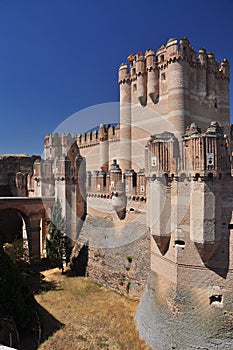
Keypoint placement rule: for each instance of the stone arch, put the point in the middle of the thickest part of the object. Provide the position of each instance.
(36, 213)
(14, 226)
(9, 219)
(31, 229)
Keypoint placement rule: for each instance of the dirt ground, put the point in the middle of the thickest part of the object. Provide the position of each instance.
(93, 317)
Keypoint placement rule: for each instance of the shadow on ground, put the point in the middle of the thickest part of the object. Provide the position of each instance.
(24, 324)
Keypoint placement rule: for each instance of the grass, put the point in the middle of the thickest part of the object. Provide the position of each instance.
(94, 317)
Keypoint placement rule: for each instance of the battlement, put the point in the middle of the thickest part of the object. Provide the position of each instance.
(103, 133)
(169, 53)
(152, 74)
(55, 144)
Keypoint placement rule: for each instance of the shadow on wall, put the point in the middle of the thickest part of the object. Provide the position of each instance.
(219, 261)
(79, 261)
(24, 324)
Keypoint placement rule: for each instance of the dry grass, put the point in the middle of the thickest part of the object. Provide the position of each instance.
(94, 317)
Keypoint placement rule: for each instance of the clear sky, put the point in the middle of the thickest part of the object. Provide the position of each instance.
(58, 57)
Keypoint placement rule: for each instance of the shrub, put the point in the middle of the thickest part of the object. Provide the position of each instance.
(129, 258)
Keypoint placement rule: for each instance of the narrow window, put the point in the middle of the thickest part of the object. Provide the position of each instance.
(163, 76)
(180, 243)
(216, 299)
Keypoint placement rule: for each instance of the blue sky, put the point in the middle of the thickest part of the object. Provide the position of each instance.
(58, 57)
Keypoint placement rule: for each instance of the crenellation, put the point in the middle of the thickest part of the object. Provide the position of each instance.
(166, 169)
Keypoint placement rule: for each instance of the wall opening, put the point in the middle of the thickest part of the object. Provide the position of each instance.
(216, 299)
(163, 77)
(180, 243)
(13, 232)
(11, 225)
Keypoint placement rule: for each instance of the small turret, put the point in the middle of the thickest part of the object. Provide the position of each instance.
(152, 76)
(115, 177)
(225, 68)
(104, 152)
(130, 181)
(201, 74)
(141, 79)
(202, 56)
(101, 181)
(72, 153)
(125, 117)
(172, 47)
(212, 69)
(123, 73)
(184, 47)
(102, 132)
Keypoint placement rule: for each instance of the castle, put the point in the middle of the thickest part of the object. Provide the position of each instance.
(169, 161)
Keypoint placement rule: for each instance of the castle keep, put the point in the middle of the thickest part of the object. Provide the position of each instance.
(163, 178)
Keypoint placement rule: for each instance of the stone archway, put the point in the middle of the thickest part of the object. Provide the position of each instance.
(13, 230)
(35, 218)
(11, 225)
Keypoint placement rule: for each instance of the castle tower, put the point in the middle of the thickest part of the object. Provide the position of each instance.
(70, 178)
(115, 177)
(168, 91)
(189, 298)
(104, 153)
(152, 76)
(125, 117)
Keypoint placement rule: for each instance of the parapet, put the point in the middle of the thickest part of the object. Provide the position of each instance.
(105, 132)
(143, 69)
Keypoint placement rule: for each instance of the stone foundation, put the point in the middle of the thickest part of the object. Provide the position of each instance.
(114, 252)
(172, 318)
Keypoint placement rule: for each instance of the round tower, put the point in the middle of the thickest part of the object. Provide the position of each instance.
(141, 79)
(212, 69)
(223, 104)
(177, 75)
(104, 153)
(152, 76)
(201, 73)
(125, 117)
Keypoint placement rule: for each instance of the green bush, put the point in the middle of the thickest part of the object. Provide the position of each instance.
(128, 287)
(129, 258)
(16, 298)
